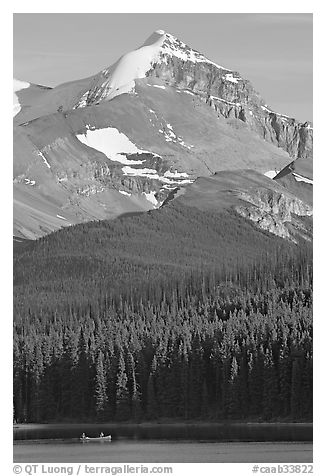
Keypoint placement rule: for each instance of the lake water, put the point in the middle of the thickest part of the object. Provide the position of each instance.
(175, 443)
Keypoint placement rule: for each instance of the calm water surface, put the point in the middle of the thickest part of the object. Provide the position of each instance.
(177, 443)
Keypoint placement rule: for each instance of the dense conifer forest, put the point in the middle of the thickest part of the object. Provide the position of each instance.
(171, 314)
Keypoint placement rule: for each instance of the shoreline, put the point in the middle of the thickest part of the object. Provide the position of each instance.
(159, 423)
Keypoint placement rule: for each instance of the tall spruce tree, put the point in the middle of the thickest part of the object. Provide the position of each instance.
(123, 410)
(100, 396)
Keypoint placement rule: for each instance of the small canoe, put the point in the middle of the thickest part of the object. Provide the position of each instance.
(96, 438)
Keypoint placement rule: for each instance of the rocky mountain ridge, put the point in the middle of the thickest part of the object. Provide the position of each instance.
(265, 202)
(277, 212)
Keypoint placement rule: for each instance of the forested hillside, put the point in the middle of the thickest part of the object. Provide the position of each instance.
(173, 313)
(143, 252)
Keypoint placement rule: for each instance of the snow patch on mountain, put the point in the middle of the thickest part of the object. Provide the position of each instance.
(150, 196)
(265, 108)
(113, 143)
(125, 193)
(225, 101)
(282, 116)
(179, 182)
(181, 142)
(231, 78)
(44, 159)
(18, 86)
(171, 136)
(187, 92)
(29, 182)
(300, 178)
(175, 174)
(271, 173)
(168, 187)
(145, 172)
(168, 177)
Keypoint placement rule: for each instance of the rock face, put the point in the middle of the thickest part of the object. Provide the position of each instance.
(294, 137)
(276, 212)
(232, 97)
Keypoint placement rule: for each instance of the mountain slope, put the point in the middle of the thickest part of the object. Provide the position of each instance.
(76, 154)
(26, 94)
(102, 258)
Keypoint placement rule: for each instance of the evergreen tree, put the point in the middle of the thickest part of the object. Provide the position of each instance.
(296, 388)
(81, 381)
(122, 394)
(100, 388)
(134, 394)
(233, 390)
(270, 389)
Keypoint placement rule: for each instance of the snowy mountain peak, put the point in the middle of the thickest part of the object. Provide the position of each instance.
(159, 48)
(172, 46)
